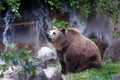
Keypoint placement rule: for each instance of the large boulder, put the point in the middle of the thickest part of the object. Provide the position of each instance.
(118, 77)
(46, 54)
(47, 57)
(113, 51)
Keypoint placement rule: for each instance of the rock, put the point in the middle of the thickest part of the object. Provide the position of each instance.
(113, 51)
(53, 74)
(118, 77)
(2, 62)
(47, 56)
(6, 79)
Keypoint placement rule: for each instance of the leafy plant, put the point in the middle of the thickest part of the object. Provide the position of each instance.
(94, 40)
(14, 4)
(111, 7)
(55, 3)
(60, 24)
(16, 57)
(1, 6)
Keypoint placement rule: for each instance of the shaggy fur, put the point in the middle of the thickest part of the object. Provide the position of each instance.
(75, 52)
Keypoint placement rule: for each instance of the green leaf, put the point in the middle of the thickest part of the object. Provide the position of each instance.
(4, 67)
(20, 73)
(1, 75)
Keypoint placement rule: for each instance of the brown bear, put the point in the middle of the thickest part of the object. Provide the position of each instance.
(75, 52)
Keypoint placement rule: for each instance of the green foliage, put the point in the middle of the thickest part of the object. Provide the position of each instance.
(60, 24)
(108, 71)
(111, 7)
(1, 6)
(83, 5)
(54, 3)
(15, 57)
(14, 4)
(94, 40)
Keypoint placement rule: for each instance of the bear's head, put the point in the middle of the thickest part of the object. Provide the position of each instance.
(62, 38)
(62, 35)
(55, 35)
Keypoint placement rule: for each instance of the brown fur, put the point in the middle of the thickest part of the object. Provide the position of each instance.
(76, 52)
(102, 47)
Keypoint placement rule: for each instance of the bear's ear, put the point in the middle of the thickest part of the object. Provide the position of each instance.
(63, 30)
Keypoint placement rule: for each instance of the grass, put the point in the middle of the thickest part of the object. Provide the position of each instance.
(108, 71)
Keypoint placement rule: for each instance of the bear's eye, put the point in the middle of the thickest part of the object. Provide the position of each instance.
(54, 33)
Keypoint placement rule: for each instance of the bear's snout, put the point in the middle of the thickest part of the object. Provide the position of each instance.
(48, 36)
